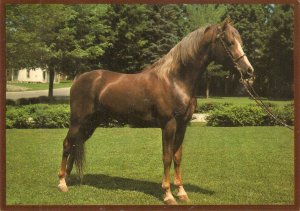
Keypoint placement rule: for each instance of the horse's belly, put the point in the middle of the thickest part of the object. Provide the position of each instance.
(130, 109)
(131, 116)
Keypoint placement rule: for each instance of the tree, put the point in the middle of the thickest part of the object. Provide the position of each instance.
(128, 22)
(24, 48)
(267, 34)
(279, 52)
(61, 38)
(168, 24)
(141, 34)
(204, 14)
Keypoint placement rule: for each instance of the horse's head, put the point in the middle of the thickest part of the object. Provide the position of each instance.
(228, 51)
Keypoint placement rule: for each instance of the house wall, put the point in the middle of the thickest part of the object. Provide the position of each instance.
(37, 75)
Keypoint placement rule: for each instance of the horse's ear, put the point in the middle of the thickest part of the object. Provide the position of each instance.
(207, 28)
(226, 23)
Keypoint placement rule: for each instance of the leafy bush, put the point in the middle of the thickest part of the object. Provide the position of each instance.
(221, 114)
(38, 100)
(37, 116)
(44, 116)
(249, 115)
(207, 107)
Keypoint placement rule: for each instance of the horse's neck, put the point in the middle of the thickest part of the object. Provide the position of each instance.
(192, 64)
(189, 75)
(184, 64)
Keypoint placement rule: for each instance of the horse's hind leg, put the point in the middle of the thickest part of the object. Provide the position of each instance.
(67, 147)
(70, 163)
(76, 132)
(87, 133)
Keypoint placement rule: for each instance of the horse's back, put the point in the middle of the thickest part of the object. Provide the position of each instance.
(116, 94)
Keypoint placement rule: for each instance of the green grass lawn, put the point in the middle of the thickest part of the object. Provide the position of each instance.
(240, 100)
(40, 86)
(246, 165)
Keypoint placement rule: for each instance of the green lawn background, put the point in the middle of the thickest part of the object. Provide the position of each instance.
(246, 165)
(38, 86)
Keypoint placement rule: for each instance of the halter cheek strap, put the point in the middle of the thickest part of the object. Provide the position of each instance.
(234, 60)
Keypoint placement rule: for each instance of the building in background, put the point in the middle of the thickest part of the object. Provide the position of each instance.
(37, 75)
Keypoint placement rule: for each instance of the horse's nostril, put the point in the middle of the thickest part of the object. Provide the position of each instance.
(250, 71)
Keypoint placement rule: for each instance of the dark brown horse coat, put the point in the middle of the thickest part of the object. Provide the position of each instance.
(163, 95)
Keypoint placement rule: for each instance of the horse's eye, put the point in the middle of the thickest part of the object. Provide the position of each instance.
(230, 43)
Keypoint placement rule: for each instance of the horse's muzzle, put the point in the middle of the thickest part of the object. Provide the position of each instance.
(248, 74)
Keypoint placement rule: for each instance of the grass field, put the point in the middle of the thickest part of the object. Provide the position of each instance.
(37, 86)
(250, 165)
(240, 100)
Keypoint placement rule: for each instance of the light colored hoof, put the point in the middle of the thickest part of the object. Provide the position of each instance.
(63, 188)
(184, 198)
(170, 202)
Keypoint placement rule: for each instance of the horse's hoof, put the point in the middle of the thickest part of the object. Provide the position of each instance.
(184, 198)
(63, 188)
(170, 202)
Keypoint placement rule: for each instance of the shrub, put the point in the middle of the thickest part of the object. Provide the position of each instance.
(44, 116)
(51, 116)
(38, 100)
(248, 116)
(221, 114)
(207, 107)
(37, 116)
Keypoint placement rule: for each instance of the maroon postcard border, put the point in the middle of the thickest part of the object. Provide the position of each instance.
(296, 205)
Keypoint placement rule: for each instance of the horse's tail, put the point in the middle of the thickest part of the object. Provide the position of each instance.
(79, 156)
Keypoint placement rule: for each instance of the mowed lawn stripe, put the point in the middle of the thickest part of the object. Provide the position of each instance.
(247, 165)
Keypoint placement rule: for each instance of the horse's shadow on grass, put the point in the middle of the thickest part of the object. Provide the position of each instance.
(118, 183)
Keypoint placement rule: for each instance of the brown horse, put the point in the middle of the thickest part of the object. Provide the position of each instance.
(162, 95)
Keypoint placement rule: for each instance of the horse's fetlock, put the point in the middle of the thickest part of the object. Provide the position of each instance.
(61, 175)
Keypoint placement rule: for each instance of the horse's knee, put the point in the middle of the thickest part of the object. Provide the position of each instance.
(177, 156)
(167, 159)
(177, 159)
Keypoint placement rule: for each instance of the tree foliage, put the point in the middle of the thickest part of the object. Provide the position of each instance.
(141, 34)
(126, 38)
(267, 32)
(61, 38)
(279, 52)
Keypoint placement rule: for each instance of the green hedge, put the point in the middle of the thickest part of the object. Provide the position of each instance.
(44, 116)
(250, 115)
(57, 116)
(38, 116)
(207, 107)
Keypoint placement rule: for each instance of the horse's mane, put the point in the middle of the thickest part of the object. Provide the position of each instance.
(181, 53)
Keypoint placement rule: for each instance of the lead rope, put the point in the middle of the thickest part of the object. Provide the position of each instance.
(259, 102)
(249, 88)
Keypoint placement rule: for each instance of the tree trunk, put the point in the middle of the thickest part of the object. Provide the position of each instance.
(207, 85)
(51, 81)
(226, 86)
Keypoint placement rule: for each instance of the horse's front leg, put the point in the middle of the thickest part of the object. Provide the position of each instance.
(177, 154)
(168, 138)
